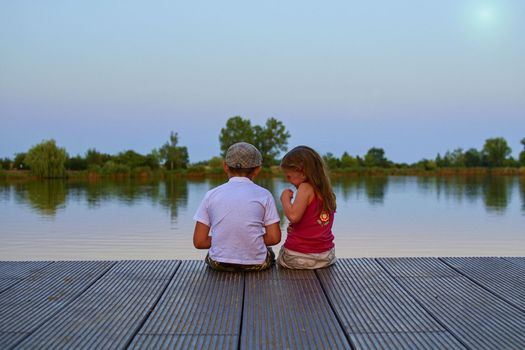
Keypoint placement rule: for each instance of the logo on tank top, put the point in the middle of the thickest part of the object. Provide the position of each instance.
(324, 218)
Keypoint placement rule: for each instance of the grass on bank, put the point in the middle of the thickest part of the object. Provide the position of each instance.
(118, 171)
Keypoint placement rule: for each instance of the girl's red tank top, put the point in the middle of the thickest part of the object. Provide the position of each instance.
(313, 234)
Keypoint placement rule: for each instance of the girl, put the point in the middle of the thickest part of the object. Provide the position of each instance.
(309, 244)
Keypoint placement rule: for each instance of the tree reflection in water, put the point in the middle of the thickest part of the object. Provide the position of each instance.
(522, 192)
(495, 191)
(5, 191)
(345, 187)
(457, 188)
(45, 197)
(173, 195)
(373, 188)
(49, 196)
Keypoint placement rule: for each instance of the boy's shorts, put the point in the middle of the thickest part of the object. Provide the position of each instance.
(291, 259)
(221, 266)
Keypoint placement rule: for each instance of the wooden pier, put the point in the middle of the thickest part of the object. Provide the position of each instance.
(387, 303)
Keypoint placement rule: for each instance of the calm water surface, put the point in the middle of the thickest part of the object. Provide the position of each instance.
(376, 216)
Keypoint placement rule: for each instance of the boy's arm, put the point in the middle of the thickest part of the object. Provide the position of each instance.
(294, 211)
(273, 234)
(201, 238)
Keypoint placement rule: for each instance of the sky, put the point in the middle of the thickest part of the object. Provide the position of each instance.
(415, 78)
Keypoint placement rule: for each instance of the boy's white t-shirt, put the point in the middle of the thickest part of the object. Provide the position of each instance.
(236, 213)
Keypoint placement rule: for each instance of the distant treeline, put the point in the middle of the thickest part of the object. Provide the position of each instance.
(48, 160)
(494, 154)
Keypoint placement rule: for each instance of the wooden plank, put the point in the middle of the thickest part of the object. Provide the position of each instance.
(110, 312)
(476, 317)
(376, 312)
(500, 276)
(28, 304)
(518, 261)
(200, 309)
(12, 272)
(286, 309)
(10, 339)
(410, 341)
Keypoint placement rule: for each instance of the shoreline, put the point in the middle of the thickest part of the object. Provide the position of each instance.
(15, 175)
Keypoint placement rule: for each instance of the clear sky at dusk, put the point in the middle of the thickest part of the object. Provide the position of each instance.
(413, 77)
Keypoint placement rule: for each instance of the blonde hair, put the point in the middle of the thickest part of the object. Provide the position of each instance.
(310, 163)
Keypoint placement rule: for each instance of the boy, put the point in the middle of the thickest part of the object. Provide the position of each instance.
(241, 216)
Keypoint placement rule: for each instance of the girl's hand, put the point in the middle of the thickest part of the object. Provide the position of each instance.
(286, 196)
(294, 211)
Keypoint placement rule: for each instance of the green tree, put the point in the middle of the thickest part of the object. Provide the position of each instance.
(153, 159)
(496, 150)
(455, 158)
(76, 163)
(331, 161)
(95, 158)
(473, 158)
(522, 153)
(112, 168)
(47, 160)
(375, 157)
(173, 156)
(6, 163)
(19, 161)
(236, 130)
(442, 162)
(271, 140)
(347, 161)
(215, 163)
(130, 158)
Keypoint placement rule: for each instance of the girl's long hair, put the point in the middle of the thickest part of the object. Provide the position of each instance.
(310, 163)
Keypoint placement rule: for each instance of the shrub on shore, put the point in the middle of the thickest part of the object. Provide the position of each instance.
(47, 160)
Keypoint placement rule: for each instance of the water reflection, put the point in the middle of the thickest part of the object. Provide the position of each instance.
(5, 192)
(173, 194)
(522, 192)
(496, 191)
(48, 197)
(45, 197)
(127, 192)
(377, 216)
(497, 194)
(346, 186)
(453, 188)
(374, 189)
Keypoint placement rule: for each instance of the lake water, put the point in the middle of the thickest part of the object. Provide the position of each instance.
(376, 216)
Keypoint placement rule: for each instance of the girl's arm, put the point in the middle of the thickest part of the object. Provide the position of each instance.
(201, 239)
(272, 235)
(294, 211)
